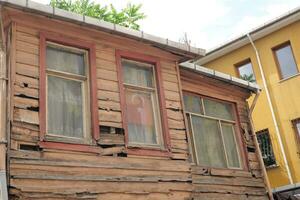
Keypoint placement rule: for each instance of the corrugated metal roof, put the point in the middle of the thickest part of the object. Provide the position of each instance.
(221, 76)
(175, 47)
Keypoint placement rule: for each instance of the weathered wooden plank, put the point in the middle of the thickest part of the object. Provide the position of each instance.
(169, 77)
(217, 196)
(229, 173)
(27, 70)
(179, 144)
(109, 105)
(51, 158)
(104, 64)
(178, 134)
(29, 92)
(172, 96)
(111, 124)
(104, 187)
(27, 47)
(107, 74)
(225, 189)
(27, 116)
(111, 139)
(174, 124)
(237, 181)
(173, 105)
(27, 38)
(25, 103)
(27, 58)
(25, 81)
(108, 95)
(109, 116)
(175, 115)
(90, 171)
(106, 55)
(107, 85)
(171, 86)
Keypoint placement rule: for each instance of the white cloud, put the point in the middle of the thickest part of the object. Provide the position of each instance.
(207, 23)
(247, 23)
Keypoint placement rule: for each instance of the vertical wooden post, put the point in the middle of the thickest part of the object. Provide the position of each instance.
(3, 112)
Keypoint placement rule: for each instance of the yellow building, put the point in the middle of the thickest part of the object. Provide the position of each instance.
(272, 54)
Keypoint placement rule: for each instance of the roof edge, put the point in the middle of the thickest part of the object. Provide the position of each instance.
(253, 87)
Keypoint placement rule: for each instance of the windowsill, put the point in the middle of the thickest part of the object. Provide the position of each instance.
(68, 140)
(148, 152)
(272, 166)
(218, 168)
(69, 147)
(288, 78)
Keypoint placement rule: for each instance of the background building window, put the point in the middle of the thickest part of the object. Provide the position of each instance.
(67, 75)
(212, 132)
(245, 70)
(141, 104)
(285, 60)
(296, 126)
(266, 148)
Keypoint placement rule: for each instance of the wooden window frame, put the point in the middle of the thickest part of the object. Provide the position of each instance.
(242, 63)
(297, 134)
(280, 46)
(244, 163)
(92, 92)
(146, 151)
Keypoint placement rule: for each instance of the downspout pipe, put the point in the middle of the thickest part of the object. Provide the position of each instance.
(261, 162)
(270, 103)
(3, 114)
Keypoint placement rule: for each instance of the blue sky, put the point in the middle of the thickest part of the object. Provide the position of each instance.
(208, 23)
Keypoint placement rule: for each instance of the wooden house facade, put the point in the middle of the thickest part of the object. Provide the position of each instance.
(95, 114)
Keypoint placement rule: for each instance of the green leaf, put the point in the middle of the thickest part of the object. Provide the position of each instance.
(128, 16)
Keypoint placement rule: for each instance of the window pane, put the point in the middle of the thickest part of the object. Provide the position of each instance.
(140, 117)
(246, 72)
(65, 114)
(66, 61)
(265, 145)
(230, 145)
(208, 142)
(298, 129)
(138, 74)
(286, 61)
(192, 104)
(218, 109)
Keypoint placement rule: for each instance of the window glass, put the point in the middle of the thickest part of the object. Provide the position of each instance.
(65, 114)
(140, 117)
(298, 128)
(229, 140)
(207, 142)
(286, 61)
(67, 61)
(296, 125)
(137, 74)
(142, 110)
(266, 148)
(192, 104)
(246, 72)
(218, 109)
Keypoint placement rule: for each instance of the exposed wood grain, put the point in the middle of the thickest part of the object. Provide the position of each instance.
(68, 174)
